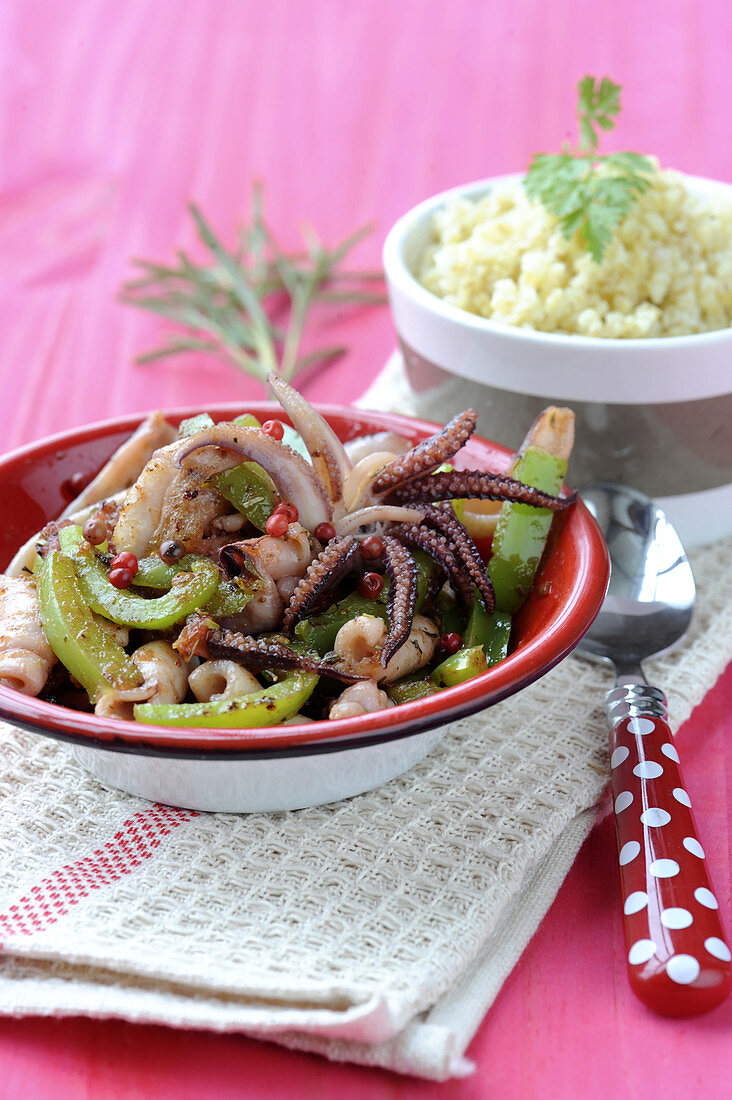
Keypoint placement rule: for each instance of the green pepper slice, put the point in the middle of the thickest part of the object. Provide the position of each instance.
(269, 707)
(491, 631)
(194, 424)
(246, 420)
(522, 530)
(191, 590)
(201, 421)
(411, 688)
(152, 572)
(231, 595)
(461, 666)
(450, 618)
(496, 645)
(250, 489)
(81, 644)
(292, 438)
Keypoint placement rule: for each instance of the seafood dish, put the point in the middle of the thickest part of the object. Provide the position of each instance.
(243, 574)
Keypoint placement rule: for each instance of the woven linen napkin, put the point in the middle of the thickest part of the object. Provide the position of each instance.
(377, 930)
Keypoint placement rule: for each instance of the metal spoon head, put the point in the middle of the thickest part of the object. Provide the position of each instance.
(650, 599)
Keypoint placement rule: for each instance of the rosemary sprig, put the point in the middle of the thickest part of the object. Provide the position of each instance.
(585, 191)
(228, 306)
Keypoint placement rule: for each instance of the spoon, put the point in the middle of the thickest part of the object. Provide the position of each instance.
(677, 954)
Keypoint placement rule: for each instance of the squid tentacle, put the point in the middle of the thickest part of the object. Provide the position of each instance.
(324, 572)
(477, 484)
(429, 454)
(402, 572)
(443, 519)
(438, 546)
(257, 654)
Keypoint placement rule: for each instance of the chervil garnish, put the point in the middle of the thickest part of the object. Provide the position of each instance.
(587, 192)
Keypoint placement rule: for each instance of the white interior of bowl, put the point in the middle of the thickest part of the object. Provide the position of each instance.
(557, 365)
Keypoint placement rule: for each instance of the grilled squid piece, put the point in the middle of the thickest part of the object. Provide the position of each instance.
(279, 563)
(229, 524)
(26, 658)
(286, 588)
(278, 558)
(113, 480)
(359, 644)
(165, 681)
(330, 459)
(221, 679)
(172, 502)
(352, 522)
(172, 499)
(22, 562)
(365, 697)
(364, 445)
(158, 661)
(127, 462)
(294, 478)
(263, 612)
(357, 490)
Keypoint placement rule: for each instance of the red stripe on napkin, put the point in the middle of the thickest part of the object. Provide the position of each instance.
(136, 841)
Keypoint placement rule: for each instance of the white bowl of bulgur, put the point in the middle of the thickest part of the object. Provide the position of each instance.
(495, 307)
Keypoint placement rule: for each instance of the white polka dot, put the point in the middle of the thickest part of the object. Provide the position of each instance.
(706, 898)
(641, 952)
(718, 948)
(669, 751)
(635, 902)
(628, 852)
(692, 845)
(648, 769)
(676, 918)
(623, 800)
(681, 796)
(682, 969)
(664, 868)
(654, 815)
(621, 753)
(641, 726)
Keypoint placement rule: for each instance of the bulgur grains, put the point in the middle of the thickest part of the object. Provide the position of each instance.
(667, 271)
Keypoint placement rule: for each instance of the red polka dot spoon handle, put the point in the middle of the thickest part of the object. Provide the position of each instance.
(678, 956)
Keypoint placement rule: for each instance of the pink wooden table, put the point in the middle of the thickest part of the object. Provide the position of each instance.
(112, 117)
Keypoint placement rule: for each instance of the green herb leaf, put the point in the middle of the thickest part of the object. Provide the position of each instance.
(598, 103)
(587, 193)
(225, 305)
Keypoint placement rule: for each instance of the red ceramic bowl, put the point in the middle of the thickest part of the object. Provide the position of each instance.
(288, 766)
